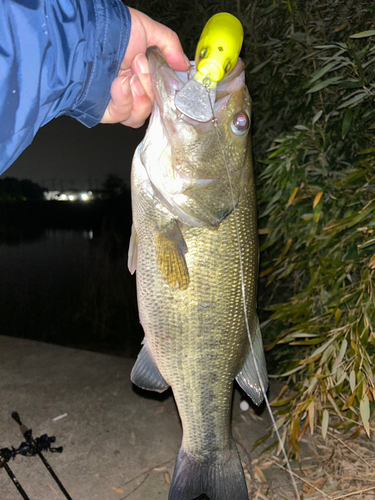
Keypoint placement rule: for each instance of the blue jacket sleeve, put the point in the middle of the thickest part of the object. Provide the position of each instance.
(57, 57)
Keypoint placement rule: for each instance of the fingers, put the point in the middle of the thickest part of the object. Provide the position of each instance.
(141, 68)
(130, 104)
(169, 43)
(154, 33)
(131, 91)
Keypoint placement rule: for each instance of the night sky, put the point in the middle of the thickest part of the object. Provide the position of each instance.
(65, 154)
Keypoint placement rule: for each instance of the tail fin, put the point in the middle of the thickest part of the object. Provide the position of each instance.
(221, 479)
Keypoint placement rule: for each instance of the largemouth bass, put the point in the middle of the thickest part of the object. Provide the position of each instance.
(184, 248)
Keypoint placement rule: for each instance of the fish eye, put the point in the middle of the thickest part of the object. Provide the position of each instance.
(240, 123)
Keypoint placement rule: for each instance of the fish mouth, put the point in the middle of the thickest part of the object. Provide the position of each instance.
(166, 82)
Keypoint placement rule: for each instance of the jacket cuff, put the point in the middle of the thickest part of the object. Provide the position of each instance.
(113, 24)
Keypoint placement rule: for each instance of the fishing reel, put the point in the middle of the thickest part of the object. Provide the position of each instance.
(42, 443)
(30, 448)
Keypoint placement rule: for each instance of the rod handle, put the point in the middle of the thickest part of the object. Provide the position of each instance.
(23, 427)
(16, 417)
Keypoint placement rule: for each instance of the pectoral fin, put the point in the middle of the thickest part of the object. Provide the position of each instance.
(133, 250)
(247, 377)
(145, 374)
(171, 248)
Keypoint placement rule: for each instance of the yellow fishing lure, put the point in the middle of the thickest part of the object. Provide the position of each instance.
(219, 46)
(216, 55)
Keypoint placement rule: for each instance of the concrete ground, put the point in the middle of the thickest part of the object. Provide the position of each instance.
(119, 442)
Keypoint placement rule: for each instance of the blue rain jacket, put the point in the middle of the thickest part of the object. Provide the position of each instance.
(57, 57)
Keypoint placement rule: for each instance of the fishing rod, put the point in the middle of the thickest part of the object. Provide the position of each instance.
(35, 448)
(5, 455)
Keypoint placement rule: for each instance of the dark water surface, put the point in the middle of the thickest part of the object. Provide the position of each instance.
(69, 287)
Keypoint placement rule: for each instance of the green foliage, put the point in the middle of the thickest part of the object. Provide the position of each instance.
(310, 71)
(11, 189)
(317, 222)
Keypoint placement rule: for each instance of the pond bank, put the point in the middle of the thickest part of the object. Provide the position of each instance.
(118, 442)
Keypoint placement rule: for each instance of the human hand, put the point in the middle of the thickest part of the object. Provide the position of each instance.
(132, 96)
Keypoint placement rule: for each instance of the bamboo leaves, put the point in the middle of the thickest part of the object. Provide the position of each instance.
(316, 199)
(347, 121)
(325, 421)
(353, 99)
(325, 83)
(363, 34)
(364, 408)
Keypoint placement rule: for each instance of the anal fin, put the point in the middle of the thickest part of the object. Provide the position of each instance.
(247, 377)
(145, 374)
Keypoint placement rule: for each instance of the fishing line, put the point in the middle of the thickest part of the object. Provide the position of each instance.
(214, 121)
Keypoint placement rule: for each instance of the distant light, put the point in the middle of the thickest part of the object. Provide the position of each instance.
(84, 196)
(71, 197)
(63, 197)
(89, 192)
(91, 234)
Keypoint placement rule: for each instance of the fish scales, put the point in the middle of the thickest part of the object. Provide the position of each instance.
(185, 251)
